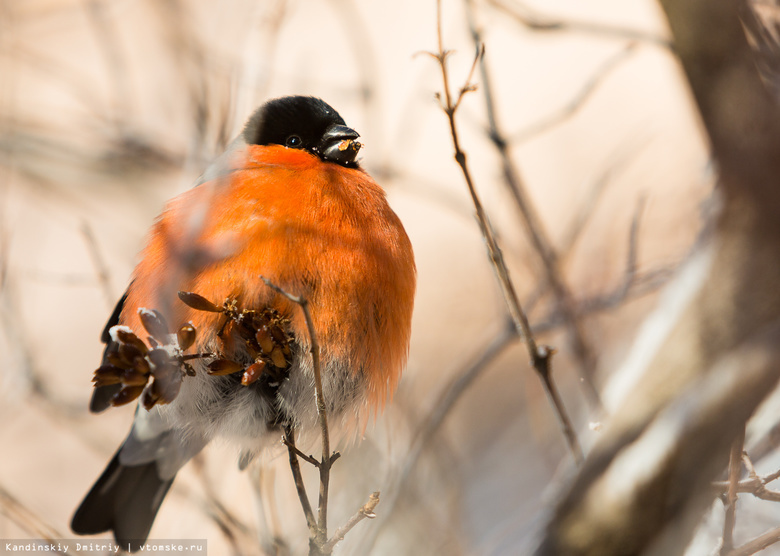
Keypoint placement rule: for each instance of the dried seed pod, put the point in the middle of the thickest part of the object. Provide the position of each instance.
(278, 334)
(107, 374)
(115, 359)
(155, 324)
(141, 364)
(252, 348)
(253, 372)
(227, 328)
(129, 338)
(221, 367)
(158, 357)
(126, 395)
(246, 331)
(150, 396)
(277, 358)
(198, 302)
(167, 383)
(264, 339)
(132, 377)
(186, 336)
(129, 353)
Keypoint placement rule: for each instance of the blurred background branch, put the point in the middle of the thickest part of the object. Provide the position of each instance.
(109, 107)
(716, 360)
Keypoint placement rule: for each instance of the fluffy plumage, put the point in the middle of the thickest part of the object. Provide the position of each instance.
(289, 202)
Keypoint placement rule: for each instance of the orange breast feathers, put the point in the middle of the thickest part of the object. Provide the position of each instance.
(313, 228)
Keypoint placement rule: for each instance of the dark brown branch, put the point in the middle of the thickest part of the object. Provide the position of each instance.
(533, 21)
(423, 438)
(587, 208)
(234, 530)
(536, 233)
(308, 459)
(540, 355)
(578, 100)
(454, 391)
(101, 268)
(754, 484)
(735, 469)
(17, 512)
(114, 63)
(321, 530)
(300, 487)
(365, 512)
(758, 544)
(648, 488)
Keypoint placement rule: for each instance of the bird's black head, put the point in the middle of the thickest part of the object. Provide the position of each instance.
(307, 123)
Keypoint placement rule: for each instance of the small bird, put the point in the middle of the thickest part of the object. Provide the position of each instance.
(225, 354)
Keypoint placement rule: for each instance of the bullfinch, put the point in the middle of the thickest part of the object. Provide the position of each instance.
(209, 350)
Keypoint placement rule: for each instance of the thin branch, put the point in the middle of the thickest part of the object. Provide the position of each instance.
(17, 512)
(539, 241)
(228, 522)
(758, 544)
(328, 459)
(540, 355)
(577, 101)
(432, 423)
(587, 208)
(735, 469)
(269, 527)
(114, 63)
(356, 30)
(101, 268)
(640, 285)
(769, 478)
(633, 241)
(633, 285)
(308, 459)
(454, 391)
(754, 484)
(527, 18)
(365, 512)
(300, 487)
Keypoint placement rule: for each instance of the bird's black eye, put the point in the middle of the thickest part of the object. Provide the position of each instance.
(293, 141)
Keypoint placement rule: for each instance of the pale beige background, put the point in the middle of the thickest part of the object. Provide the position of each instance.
(97, 129)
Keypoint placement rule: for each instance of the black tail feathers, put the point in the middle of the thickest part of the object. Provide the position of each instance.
(124, 500)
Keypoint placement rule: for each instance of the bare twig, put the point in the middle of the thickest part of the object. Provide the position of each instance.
(365, 512)
(641, 284)
(533, 21)
(290, 443)
(325, 464)
(269, 527)
(735, 468)
(463, 379)
(754, 484)
(115, 63)
(540, 355)
(460, 384)
(587, 208)
(539, 241)
(356, 31)
(235, 531)
(101, 268)
(758, 544)
(300, 487)
(320, 532)
(578, 100)
(28, 520)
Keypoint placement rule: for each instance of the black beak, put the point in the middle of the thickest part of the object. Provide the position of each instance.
(338, 145)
